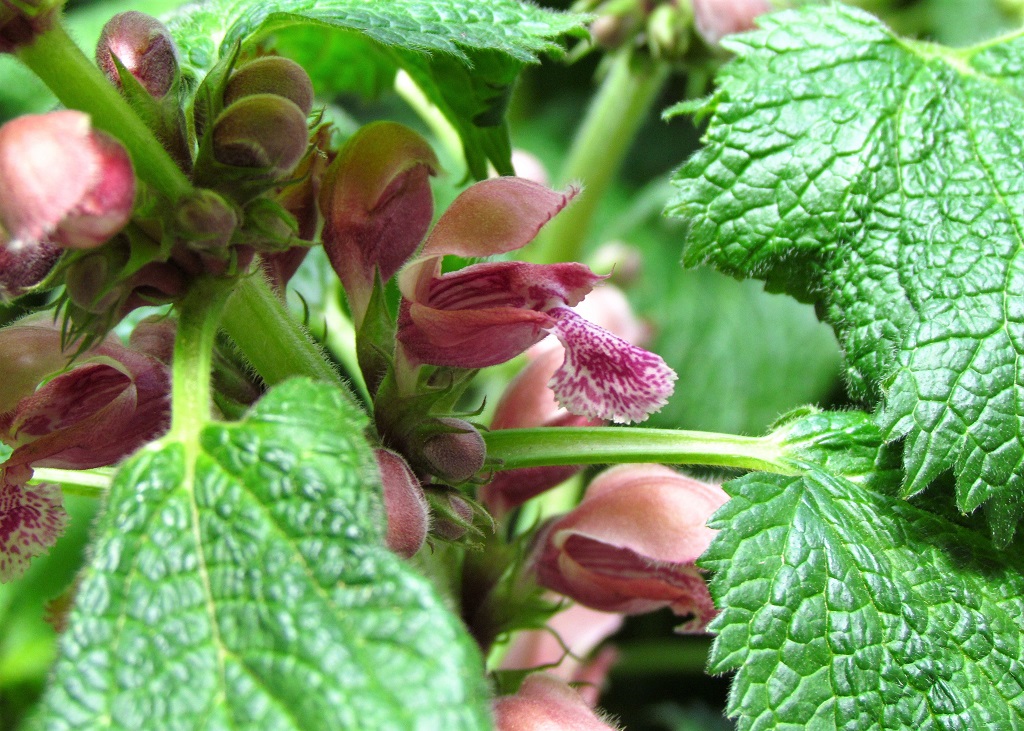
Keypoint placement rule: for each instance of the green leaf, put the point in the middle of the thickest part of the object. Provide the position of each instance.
(463, 54)
(845, 608)
(880, 178)
(248, 587)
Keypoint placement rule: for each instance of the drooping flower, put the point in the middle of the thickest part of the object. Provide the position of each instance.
(545, 703)
(632, 543)
(488, 313)
(63, 182)
(405, 505)
(110, 403)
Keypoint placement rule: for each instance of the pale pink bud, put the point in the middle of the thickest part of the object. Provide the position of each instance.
(564, 646)
(32, 518)
(545, 703)
(457, 453)
(377, 206)
(62, 181)
(404, 503)
(632, 543)
(144, 47)
(716, 19)
(263, 131)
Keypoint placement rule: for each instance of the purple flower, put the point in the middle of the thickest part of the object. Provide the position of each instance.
(488, 313)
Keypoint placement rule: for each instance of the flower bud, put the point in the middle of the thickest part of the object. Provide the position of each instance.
(205, 221)
(144, 47)
(453, 516)
(22, 266)
(668, 30)
(63, 182)
(377, 206)
(457, 452)
(632, 543)
(261, 131)
(545, 703)
(404, 503)
(271, 75)
(716, 19)
(89, 281)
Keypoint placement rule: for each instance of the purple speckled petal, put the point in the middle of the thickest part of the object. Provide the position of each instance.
(32, 518)
(603, 376)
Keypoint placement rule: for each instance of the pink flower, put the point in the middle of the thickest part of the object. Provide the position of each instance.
(110, 403)
(63, 182)
(32, 518)
(563, 647)
(716, 19)
(488, 313)
(632, 543)
(545, 703)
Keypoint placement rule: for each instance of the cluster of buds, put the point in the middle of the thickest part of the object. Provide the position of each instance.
(94, 412)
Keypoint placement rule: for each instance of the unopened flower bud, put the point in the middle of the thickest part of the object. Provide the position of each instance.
(261, 131)
(144, 47)
(544, 702)
(457, 453)
(716, 19)
(206, 221)
(453, 518)
(271, 75)
(668, 30)
(22, 266)
(404, 503)
(89, 282)
(62, 181)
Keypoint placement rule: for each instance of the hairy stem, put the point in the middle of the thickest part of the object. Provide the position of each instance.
(79, 84)
(513, 448)
(613, 119)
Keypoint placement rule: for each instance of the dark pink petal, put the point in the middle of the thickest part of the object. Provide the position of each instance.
(32, 517)
(605, 377)
(495, 216)
(468, 338)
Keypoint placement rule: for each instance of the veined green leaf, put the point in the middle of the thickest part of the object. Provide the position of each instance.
(881, 178)
(249, 588)
(843, 608)
(441, 43)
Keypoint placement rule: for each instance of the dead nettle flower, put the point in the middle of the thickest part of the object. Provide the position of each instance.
(716, 19)
(405, 505)
(63, 182)
(564, 646)
(632, 543)
(143, 45)
(108, 404)
(528, 402)
(545, 703)
(488, 313)
(377, 206)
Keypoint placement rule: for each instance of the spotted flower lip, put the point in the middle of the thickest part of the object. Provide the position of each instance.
(488, 313)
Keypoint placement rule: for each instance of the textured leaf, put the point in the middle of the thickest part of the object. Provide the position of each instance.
(247, 586)
(881, 178)
(463, 54)
(844, 608)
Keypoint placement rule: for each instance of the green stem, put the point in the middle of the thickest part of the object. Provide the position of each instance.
(198, 317)
(277, 346)
(613, 119)
(88, 483)
(542, 447)
(79, 84)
